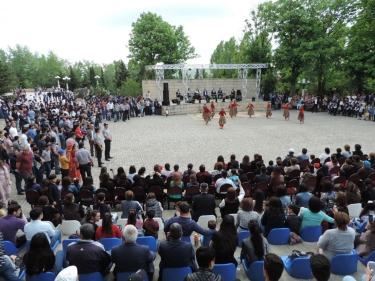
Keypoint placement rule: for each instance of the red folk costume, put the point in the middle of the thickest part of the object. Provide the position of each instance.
(234, 105)
(268, 110)
(250, 109)
(222, 119)
(286, 113)
(301, 115)
(230, 107)
(212, 109)
(206, 114)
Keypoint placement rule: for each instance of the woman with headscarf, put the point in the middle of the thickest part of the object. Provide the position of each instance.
(71, 155)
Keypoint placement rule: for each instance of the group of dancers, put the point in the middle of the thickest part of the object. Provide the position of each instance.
(209, 112)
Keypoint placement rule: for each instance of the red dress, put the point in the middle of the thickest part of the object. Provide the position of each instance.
(222, 119)
(268, 112)
(206, 114)
(212, 110)
(116, 233)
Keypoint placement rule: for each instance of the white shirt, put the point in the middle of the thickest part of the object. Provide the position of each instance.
(23, 140)
(323, 157)
(13, 131)
(222, 181)
(36, 226)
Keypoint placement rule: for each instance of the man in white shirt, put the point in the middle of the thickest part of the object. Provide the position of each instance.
(325, 155)
(37, 225)
(23, 138)
(222, 181)
(13, 129)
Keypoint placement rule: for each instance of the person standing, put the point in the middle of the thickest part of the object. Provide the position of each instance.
(90, 136)
(268, 110)
(107, 141)
(301, 115)
(24, 164)
(99, 146)
(84, 161)
(234, 106)
(206, 114)
(222, 119)
(13, 169)
(212, 109)
(230, 107)
(4, 183)
(286, 113)
(250, 109)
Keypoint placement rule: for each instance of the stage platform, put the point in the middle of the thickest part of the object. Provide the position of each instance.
(193, 108)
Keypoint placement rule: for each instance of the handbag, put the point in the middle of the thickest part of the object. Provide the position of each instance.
(299, 254)
(295, 238)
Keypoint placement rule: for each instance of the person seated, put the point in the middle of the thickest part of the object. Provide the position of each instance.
(31, 184)
(292, 220)
(222, 181)
(189, 170)
(256, 246)
(92, 217)
(153, 204)
(150, 226)
(175, 253)
(71, 210)
(353, 194)
(273, 217)
(37, 225)
(328, 196)
(365, 242)
(262, 177)
(130, 256)
(281, 193)
(203, 204)
(365, 171)
(107, 229)
(230, 204)
(49, 212)
(156, 178)
(187, 224)
(206, 262)
(39, 258)
(202, 171)
(8, 269)
(132, 219)
(233, 163)
(246, 214)
(87, 183)
(339, 240)
(368, 194)
(357, 162)
(293, 166)
(273, 267)
(87, 255)
(67, 185)
(176, 181)
(11, 223)
(303, 196)
(108, 184)
(320, 267)
(138, 182)
(224, 241)
(100, 205)
(124, 182)
(128, 204)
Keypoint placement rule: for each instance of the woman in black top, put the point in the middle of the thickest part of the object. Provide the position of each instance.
(230, 204)
(368, 194)
(49, 212)
(107, 184)
(224, 241)
(92, 217)
(72, 211)
(103, 208)
(274, 216)
(53, 193)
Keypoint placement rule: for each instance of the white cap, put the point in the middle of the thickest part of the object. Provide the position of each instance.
(291, 150)
(68, 274)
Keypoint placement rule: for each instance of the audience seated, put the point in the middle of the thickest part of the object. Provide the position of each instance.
(365, 242)
(189, 171)
(281, 194)
(230, 204)
(150, 226)
(320, 267)
(92, 217)
(100, 205)
(87, 255)
(71, 210)
(353, 194)
(262, 177)
(87, 183)
(256, 246)
(130, 256)
(8, 269)
(202, 171)
(49, 212)
(187, 224)
(107, 229)
(313, 216)
(286, 161)
(203, 204)
(156, 178)
(174, 252)
(273, 216)
(273, 267)
(40, 258)
(206, 262)
(132, 173)
(224, 180)
(66, 184)
(293, 166)
(10, 224)
(37, 225)
(132, 219)
(339, 240)
(259, 202)
(129, 203)
(368, 193)
(176, 181)
(292, 220)
(31, 184)
(108, 184)
(224, 241)
(303, 156)
(246, 214)
(154, 205)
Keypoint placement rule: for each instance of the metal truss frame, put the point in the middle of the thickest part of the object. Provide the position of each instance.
(242, 73)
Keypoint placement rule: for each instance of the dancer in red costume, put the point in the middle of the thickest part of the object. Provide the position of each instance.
(206, 114)
(230, 107)
(212, 109)
(250, 109)
(268, 110)
(301, 114)
(286, 113)
(222, 119)
(234, 106)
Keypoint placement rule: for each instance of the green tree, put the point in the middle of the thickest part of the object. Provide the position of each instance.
(102, 78)
(73, 79)
(130, 88)
(153, 40)
(225, 53)
(121, 73)
(5, 78)
(92, 77)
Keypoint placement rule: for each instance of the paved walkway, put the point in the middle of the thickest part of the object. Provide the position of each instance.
(145, 141)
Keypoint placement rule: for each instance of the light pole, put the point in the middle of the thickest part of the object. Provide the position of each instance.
(97, 77)
(58, 81)
(66, 79)
(304, 83)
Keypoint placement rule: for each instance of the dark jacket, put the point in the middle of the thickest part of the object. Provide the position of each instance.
(203, 274)
(272, 222)
(203, 204)
(293, 222)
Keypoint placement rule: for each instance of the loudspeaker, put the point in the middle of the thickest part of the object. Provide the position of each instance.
(165, 94)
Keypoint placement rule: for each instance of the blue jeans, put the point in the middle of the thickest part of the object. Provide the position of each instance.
(349, 278)
(47, 168)
(8, 271)
(18, 181)
(56, 237)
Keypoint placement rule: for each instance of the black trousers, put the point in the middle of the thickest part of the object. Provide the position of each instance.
(107, 149)
(99, 155)
(85, 170)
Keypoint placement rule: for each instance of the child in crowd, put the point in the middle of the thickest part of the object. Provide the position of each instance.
(234, 177)
(99, 205)
(211, 224)
(150, 226)
(59, 186)
(76, 183)
(293, 221)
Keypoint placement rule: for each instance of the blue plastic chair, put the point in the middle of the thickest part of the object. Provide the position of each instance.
(109, 243)
(48, 276)
(175, 274)
(243, 234)
(344, 264)
(67, 242)
(255, 271)
(371, 257)
(148, 241)
(360, 227)
(22, 275)
(123, 276)
(52, 247)
(186, 239)
(298, 268)
(95, 276)
(205, 240)
(279, 236)
(226, 270)
(311, 233)
(10, 249)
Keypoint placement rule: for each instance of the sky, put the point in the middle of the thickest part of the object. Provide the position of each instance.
(99, 30)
